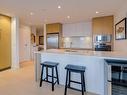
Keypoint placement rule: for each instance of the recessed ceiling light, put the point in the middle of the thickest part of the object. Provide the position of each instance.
(68, 17)
(59, 7)
(97, 12)
(31, 13)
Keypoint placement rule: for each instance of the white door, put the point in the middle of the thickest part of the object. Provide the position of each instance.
(24, 43)
(33, 49)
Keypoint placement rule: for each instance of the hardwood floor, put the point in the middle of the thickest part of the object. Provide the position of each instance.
(21, 82)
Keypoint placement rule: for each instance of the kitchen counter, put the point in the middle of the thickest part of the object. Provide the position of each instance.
(100, 54)
(96, 74)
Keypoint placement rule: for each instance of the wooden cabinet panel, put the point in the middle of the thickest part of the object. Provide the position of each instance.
(103, 25)
(97, 26)
(108, 25)
(5, 42)
(54, 28)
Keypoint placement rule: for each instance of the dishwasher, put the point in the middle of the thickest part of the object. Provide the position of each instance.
(117, 77)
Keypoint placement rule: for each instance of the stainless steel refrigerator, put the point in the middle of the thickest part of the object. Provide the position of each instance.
(53, 41)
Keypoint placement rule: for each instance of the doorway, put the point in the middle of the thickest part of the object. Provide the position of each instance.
(24, 43)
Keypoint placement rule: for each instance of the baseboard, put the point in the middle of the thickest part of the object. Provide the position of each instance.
(5, 69)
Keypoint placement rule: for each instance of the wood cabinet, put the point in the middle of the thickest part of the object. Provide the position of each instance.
(54, 28)
(5, 42)
(103, 25)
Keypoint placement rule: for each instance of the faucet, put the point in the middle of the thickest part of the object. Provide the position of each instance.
(70, 45)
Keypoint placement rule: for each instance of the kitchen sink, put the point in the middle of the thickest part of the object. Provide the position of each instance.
(71, 50)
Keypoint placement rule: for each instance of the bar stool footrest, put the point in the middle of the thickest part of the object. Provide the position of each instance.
(51, 76)
(75, 82)
(75, 89)
(49, 81)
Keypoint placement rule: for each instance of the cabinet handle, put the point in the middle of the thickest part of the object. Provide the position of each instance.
(109, 81)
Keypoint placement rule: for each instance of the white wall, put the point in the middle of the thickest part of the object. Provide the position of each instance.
(121, 45)
(15, 42)
(33, 46)
(24, 43)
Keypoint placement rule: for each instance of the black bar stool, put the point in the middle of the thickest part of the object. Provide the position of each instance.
(53, 66)
(76, 69)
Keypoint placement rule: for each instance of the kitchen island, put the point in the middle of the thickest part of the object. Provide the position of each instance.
(96, 74)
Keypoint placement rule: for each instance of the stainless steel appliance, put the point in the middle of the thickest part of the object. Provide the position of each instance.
(102, 42)
(117, 76)
(102, 47)
(53, 41)
(102, 38)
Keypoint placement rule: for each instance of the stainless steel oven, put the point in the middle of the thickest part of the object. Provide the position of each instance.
(102, 42)
(102, 38)
(102, 47)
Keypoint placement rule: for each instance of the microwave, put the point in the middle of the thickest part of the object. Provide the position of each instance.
(102, 38)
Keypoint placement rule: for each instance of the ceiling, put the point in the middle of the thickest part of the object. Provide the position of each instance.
(46, 11)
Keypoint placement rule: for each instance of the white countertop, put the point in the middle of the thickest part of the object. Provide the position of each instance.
(102, 54)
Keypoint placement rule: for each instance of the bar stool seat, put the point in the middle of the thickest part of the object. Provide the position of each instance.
(77, 69)
(49, 64)
(52, 65)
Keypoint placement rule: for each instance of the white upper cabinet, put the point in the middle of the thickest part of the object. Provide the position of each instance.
(77, 29)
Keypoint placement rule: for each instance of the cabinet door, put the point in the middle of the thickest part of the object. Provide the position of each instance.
(108, 25)
(53, 28)
(98, 26)
(5, 42)
(102, 25)
(65, 30)
(84, 29)
(72, 30)
(77, 29)
(69, 30)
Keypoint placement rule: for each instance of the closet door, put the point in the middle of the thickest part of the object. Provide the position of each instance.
(5, 42)
(24, 46)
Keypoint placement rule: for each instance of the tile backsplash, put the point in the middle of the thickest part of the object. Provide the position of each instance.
(77, 42)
